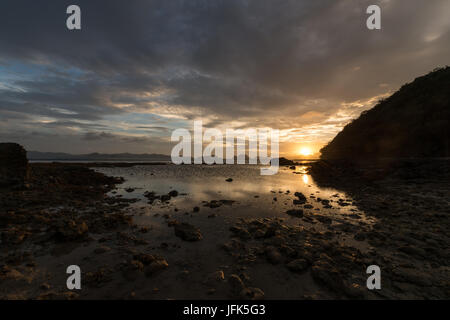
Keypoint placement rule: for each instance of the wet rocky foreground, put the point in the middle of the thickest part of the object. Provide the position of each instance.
(71, 215)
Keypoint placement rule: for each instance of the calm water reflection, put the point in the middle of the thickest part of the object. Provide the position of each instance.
(254, 195)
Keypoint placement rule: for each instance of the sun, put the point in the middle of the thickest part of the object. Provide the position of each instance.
(305, 151)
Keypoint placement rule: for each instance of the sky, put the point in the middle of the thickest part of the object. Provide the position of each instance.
(137, 70)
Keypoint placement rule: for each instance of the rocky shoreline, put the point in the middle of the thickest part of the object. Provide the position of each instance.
(410, 200)
(63, 215)
(58, 208)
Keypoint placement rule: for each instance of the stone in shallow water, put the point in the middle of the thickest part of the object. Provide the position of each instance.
(187, 232)
(301, 197)
(252, 294)
(240, 232)
(295, 213)
(155, 267)
(327, 275)
(215, 277)
(145, 258)
(273, 255)
(298, 265)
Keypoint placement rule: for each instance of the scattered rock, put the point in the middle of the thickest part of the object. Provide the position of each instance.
(45, 286)
(71, 230)
(172, 222)
(156, 267)
(284, 162)
(144, 258)
(240, 232)
(273, 255)
(9, 273)
(414, 251)
(301, 198)
(360, 236)
(295, 213)
(144, 229)
(323, 219)
(259, 233)
(69, 295)
(187, 232)
(101, 249)
(165, 197)
(215, 277)
(252, 294)
(173, 193)
(327, 275)
(298, 265)
(131, 270)
(236, 284)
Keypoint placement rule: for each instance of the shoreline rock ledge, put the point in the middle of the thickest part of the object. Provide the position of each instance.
(14, 168)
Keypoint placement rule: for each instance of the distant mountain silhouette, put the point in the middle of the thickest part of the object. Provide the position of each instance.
(413, 122)
(36, 155)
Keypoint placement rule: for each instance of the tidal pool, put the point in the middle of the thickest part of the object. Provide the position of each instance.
(252, 195)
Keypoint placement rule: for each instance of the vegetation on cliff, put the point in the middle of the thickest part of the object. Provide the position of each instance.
(413, 122)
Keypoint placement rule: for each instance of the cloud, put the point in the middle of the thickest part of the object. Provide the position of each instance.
(97, 136)
(284, 64)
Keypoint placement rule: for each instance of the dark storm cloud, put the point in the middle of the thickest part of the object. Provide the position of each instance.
(260, 60)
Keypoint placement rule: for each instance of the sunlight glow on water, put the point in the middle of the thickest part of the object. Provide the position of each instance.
(254, 195)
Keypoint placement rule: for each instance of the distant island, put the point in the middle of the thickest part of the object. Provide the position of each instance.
(59, 156)
(117, 157)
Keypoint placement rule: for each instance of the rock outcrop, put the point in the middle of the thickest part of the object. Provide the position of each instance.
(13, 165)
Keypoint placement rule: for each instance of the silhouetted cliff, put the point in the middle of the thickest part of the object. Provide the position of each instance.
(413, 122)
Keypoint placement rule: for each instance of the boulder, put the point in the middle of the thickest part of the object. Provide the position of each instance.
(156, 267)
(295, 213)
(71, 230)
(273, 255)
(298, 265)
(187, 232)
(13, 165)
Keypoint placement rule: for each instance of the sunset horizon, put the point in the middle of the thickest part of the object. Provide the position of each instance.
(159, 73)
(224, 158)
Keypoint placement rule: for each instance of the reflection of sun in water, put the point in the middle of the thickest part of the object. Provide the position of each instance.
(305, 151)
(305, 179)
